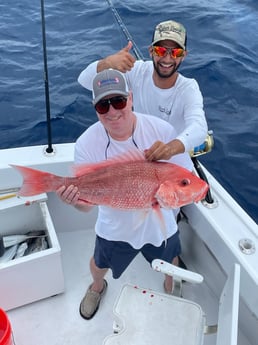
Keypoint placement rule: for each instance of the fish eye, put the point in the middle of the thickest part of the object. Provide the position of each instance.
(185, 182)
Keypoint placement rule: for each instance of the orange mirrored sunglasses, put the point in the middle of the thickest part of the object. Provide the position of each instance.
(163, 51)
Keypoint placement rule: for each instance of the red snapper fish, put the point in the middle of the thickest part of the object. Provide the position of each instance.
(124, 182)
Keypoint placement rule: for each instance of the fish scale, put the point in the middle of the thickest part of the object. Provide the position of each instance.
(128, 191)
(124, 182)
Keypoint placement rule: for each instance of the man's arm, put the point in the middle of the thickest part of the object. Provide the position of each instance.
(122, 61)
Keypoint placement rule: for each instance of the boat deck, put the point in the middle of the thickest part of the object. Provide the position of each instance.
(56, 320)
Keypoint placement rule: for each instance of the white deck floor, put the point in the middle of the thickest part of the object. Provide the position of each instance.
(56, 320)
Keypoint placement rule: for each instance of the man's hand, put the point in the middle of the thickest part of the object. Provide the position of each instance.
(161, 151)
(71, 195)
(122, 61)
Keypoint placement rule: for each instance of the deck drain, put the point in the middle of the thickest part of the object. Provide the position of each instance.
(246, 246)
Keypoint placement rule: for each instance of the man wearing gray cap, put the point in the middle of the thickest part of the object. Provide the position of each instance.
(121, 235)
(159, 89)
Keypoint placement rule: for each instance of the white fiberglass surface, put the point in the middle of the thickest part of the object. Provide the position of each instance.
(56, 320)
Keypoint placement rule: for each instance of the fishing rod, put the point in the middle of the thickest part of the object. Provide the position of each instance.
(135, 49)
(49, 149)
(207, 145)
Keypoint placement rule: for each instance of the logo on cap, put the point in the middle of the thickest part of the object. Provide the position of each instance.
(170, 30)
(106, 82)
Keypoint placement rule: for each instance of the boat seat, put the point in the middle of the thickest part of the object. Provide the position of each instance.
(145, 317)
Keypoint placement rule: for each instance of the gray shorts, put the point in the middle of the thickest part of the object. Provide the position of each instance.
(117, 255)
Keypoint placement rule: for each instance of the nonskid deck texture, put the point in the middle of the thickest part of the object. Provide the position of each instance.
(56, 320)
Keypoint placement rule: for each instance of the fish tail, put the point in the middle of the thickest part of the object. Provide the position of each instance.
(36, 181)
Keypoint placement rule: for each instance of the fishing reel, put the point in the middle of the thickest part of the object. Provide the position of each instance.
(198, 151)
(204, 148)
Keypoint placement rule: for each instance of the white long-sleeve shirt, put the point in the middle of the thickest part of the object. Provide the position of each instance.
(181, 105)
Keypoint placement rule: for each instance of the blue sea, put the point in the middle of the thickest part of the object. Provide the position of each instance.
(223, 58)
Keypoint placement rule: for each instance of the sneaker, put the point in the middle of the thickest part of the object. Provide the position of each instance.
(90, 302)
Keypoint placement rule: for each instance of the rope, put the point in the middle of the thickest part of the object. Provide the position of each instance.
(135, 49)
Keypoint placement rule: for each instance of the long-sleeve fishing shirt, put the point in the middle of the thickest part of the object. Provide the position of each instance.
(181, 105)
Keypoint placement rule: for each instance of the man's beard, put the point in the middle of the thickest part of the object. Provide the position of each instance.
(161, 75)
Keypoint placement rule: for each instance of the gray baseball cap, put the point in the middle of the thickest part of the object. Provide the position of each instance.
(109, 82)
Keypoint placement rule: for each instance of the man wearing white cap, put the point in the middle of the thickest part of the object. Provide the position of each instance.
(159, 89)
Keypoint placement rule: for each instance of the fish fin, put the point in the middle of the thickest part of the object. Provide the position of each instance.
(9, 254)
(129, 156)
(157, 209)
(166, 195)
(85, 202)
(36, 181)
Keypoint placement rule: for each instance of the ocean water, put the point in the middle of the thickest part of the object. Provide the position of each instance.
(223, 58)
